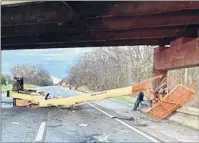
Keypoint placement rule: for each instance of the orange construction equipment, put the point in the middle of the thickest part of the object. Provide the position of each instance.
(148, 86)
(165, 95)
(176, 98)
(22, 102)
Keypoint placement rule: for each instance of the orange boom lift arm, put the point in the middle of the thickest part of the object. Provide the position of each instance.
(163, 100)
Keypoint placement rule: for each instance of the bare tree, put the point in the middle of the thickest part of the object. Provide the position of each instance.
(33, 75)
(113, 67)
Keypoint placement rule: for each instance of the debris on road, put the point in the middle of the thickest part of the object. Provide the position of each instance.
(83, 125)
(98, 139)
(55, 126)
(15, 123)
(124, 118)
(123, 131)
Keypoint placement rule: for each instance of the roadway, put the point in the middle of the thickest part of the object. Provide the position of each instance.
(63, 125)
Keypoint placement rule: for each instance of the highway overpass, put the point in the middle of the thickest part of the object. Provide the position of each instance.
(66, 24)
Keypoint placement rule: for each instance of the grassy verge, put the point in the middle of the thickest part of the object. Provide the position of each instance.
(128, 99)
(84, 89)
(5, 88)
(131, 99)
(29, 86)
(125, 99)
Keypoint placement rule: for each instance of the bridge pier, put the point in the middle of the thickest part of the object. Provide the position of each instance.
(182, 53)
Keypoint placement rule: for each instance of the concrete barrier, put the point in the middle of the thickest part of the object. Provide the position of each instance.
(189, 110)
(185, 119)
(188, 116)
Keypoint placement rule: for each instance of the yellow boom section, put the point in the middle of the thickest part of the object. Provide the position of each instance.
(74, 100)
(28, 97)
(85, 97)
(162, 107)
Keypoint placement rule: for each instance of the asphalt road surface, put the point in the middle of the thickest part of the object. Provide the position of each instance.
(64, 125)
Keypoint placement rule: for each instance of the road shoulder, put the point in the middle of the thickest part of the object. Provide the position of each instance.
(164, 130)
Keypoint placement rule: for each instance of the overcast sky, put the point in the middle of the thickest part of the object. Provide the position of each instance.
(56, 61)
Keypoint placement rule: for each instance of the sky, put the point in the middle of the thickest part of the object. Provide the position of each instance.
(56, 61)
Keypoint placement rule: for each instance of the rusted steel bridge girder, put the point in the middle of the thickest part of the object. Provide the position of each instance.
(105, 23)
(64, 36)
(183, 53)
(87, 24)
(53, 11)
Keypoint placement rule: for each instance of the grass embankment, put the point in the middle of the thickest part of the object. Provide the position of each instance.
(29, 86)
(128, 99)
(5, 88)
(131, 99)
(84, 89)
(125, 99)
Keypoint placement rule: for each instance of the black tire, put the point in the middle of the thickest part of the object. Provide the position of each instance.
(8, 93)
(139, 98)
(14, 102)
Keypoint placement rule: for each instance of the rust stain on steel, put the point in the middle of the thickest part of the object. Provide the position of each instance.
(179, 55)
(124, 22)
(145, 33)
(138, 33)
(54, 24)
(151, 7)
(36, 12)
(89, 43)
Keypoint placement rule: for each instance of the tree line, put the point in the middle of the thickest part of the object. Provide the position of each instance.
(113, 67)
(5, 79)
(32, 75)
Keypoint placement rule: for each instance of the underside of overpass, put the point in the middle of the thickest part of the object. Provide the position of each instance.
(66, 24)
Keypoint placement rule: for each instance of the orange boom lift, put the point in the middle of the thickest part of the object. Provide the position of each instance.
(164, 95)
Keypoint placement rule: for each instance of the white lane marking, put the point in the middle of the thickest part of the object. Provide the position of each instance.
(127, 125)
(41, 132)
(101, 110)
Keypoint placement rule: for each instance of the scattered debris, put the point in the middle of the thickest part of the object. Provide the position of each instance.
(92, 140)
(123, 131)
(142, 125)
(103, 138)
(124, 118)
(98, 139)
(83, 125)
(15, 123)
(55, 126)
